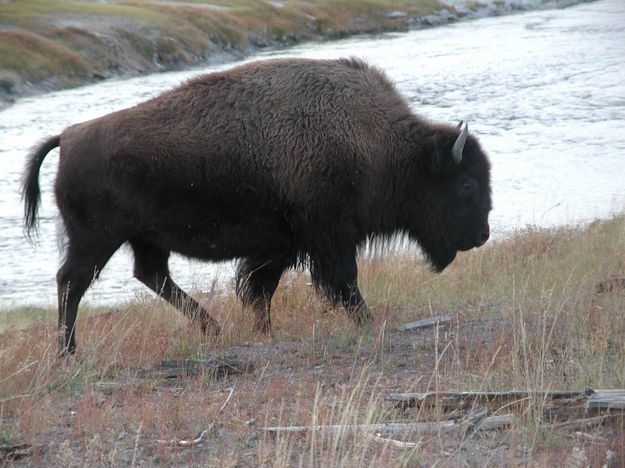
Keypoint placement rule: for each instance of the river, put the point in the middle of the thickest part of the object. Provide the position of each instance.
(544, 91)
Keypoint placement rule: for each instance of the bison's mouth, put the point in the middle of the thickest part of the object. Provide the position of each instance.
(439, 254)
(442, 253)
(441, 258)
(468, 244)
(465, 245)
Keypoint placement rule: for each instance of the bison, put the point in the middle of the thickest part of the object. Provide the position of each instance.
(277, 164)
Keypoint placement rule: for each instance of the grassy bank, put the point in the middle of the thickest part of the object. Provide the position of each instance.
(530, 312)
(52, 44)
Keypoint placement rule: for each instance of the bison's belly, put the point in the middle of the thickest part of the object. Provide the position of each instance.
(260, 237)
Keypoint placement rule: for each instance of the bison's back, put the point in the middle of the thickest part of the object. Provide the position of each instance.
(299, 126)
(278, 112)
(264, 144)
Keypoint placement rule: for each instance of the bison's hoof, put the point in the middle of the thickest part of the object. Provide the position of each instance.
(66, 352)
(211, 329)
(262, 327)
(363, 317)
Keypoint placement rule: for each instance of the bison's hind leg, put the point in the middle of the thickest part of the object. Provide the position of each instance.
(151, 268)
(257, 280)
(83, 263)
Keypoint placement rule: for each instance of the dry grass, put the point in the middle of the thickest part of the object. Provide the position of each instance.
(527, 316)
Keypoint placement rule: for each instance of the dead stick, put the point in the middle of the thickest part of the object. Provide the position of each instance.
(588, 437)
(514, 394)
(198, 439)
(575, 423)
(493, 422)
(393, 442)
(425, 323)
(14, 452)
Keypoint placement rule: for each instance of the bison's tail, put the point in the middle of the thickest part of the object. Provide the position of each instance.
(31, 194)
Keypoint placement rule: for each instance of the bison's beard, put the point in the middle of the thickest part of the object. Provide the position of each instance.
(439, 255)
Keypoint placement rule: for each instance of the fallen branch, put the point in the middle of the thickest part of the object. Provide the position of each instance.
(564, 409)
(198, 439)
(474, 419)
(453, 398)
(172, 369)
(584, 422)
(425, 323)
(493, 422)
(12, 452)
(594, 438)
(607, 399)
(108, 387)
(581, 409)
(393, 442)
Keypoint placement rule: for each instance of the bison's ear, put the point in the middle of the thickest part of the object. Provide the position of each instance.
(446, 153)
(439, 159)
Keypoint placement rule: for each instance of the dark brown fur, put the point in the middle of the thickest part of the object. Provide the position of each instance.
(273, 163)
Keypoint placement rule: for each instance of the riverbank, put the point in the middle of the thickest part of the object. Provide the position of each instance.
(52, 44)
(541, 310)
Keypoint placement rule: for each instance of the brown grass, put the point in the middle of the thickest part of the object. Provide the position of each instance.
(36, 57)
(58, 43)
(527, 315)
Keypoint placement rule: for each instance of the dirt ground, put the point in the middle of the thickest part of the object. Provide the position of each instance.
(138, 416)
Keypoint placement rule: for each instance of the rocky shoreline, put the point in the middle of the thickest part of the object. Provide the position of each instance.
(85, 49)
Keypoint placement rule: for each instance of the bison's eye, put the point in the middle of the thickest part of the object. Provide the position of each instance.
(466, 187)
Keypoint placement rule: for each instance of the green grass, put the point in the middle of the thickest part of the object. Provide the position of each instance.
(40, 12)
(62, 43)
(37, 57)
(23, 317)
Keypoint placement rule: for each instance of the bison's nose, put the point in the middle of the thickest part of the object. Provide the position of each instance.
(484, 235)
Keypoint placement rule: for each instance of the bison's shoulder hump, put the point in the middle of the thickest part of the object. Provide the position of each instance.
(373, 73)
(355, 62)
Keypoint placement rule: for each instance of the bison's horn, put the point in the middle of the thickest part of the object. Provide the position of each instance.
(456, 151)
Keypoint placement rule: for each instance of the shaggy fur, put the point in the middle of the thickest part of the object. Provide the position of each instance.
(275, 163)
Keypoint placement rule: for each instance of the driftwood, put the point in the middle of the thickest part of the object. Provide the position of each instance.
(108, 387)
(562, 410)
(475, 419)
(454, 399)
(607, 399)
(583, 422)
(588, 437)
(215, 368)
(392, 442)
(425, 323)
(556, 403)
(12, 452)
(170, 369)
(575, 405)
(199, 438)
(492, 422)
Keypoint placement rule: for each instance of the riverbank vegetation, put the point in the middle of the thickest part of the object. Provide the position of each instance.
(539, 310)
(52, 44)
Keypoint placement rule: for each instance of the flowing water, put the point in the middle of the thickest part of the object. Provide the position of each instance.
(544, 91)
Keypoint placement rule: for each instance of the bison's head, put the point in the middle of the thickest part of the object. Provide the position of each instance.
(454, 198)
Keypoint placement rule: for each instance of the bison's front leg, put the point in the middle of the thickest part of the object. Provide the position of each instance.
(336, 273)
(355, 305)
